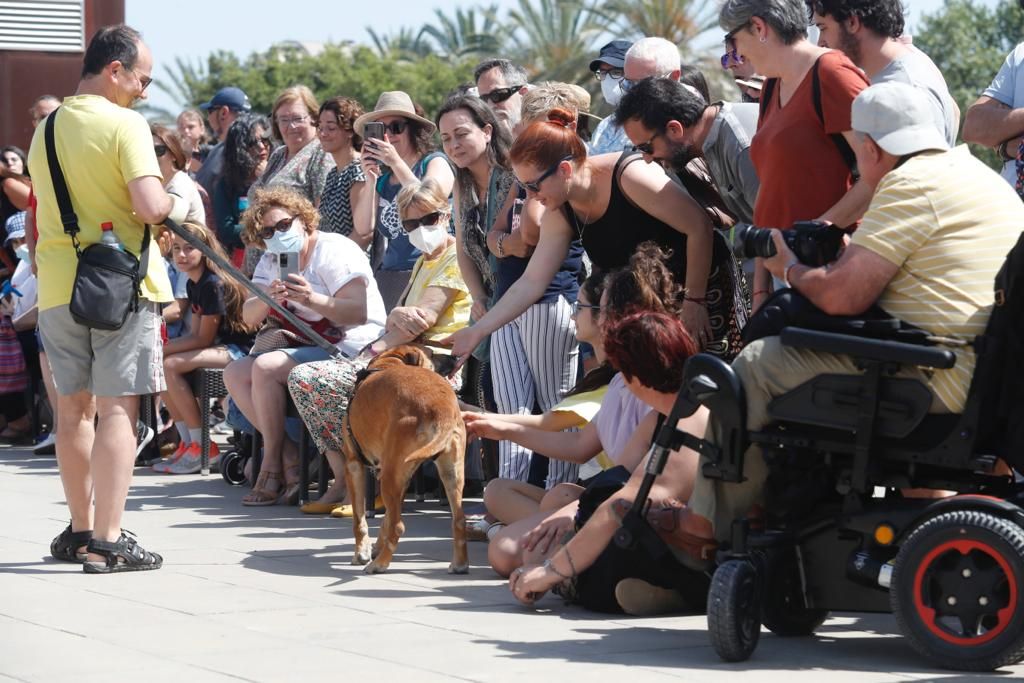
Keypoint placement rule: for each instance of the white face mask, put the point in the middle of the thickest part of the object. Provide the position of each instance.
(22, 252)
(611, 91)
(427, 238)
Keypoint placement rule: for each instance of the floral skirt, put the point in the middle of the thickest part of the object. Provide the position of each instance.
(322, 390)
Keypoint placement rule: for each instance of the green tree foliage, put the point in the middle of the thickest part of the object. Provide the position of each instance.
(556, 39)
(968, 42)
(460, 36)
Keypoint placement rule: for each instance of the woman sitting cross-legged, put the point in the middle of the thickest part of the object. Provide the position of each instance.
(650, 349)
(218, 335)
(333, 291)
(436, 303)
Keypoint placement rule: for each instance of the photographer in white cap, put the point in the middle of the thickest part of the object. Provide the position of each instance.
(927, 252)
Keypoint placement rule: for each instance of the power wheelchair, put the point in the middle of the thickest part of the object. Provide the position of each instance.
(951, 570)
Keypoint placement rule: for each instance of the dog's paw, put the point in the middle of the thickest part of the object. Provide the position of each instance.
(360, 558)
(374, 568)
(458, 568)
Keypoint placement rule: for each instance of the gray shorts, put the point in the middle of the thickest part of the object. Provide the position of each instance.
(125, 362)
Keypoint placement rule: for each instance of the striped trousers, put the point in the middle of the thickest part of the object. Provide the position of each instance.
(533, 364)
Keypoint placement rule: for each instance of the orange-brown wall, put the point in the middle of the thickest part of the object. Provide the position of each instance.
(24, 76)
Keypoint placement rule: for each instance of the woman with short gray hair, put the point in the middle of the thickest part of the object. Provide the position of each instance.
(803, 147)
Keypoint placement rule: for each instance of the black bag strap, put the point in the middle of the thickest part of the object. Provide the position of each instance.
(68, 217)
(845, 151)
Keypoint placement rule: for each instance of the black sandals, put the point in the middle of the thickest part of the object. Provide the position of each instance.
(124, 555)
(65, 546)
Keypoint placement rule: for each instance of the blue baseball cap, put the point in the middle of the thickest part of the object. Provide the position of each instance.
(612, 54)
(232, 98)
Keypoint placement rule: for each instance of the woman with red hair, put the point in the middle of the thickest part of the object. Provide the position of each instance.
(612, 205)
(650, 349)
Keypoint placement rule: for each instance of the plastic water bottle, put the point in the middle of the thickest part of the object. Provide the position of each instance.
(243, 203)
(109, 238)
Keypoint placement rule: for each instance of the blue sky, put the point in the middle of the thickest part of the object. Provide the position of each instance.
(194, 28)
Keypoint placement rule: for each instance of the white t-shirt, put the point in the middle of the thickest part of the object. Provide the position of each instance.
(183, 186)
(1008, 87)
(25, 282)
(336, 260)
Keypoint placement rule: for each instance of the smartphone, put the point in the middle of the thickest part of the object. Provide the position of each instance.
(517, 215)
(375, 130)
(287, 264)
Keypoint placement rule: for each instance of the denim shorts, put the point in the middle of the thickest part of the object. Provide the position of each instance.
(305, 354)
(235, 351)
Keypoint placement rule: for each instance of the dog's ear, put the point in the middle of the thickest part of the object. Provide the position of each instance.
(444, 364)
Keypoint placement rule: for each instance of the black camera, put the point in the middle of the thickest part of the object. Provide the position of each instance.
(814, 243)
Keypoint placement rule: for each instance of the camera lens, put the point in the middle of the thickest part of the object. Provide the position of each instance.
(751, 242)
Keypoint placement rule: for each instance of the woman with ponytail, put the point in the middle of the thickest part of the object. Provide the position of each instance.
(612, 205)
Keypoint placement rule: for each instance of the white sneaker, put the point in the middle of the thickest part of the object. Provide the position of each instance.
(146, 435)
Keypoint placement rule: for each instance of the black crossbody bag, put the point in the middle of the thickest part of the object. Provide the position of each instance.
(108, 280)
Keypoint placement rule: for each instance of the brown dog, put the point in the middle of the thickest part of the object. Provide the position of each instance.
(401, 414)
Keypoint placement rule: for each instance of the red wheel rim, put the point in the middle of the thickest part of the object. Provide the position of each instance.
(929, 614)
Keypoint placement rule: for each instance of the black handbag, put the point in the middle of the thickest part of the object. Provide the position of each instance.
(108, 280)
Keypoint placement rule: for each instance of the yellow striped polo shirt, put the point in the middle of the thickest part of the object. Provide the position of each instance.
(948, 222)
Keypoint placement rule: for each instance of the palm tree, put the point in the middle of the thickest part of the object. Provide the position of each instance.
(459, 36)
(680, 21)
(557, 37)
(405, 44)
(184, 82)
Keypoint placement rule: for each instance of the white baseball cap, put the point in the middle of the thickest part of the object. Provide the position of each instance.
(898, 117)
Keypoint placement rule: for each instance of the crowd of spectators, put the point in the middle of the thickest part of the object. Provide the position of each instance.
(569, 269)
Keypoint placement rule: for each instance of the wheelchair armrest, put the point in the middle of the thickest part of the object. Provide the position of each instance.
(868, 349)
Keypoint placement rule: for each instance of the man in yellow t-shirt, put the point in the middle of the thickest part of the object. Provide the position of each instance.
(938, 229)
(106, 153)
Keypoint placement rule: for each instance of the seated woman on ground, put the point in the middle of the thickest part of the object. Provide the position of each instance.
(510, 500)
(436, 303)
(217, 336)
(333, 291)
(650, 349)
(646, 285)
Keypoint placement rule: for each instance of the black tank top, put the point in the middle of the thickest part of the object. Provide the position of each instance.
(611, 239)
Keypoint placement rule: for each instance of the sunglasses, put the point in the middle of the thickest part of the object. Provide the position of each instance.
(264, 140)
(577, 305)
(646, 147)
(501, 94)
(144, 81)
(410, 224)
(730, 36)
(614, 74)
(160, 150)
(535, 185)
(283, 225)
(395, 127)
(731, 58)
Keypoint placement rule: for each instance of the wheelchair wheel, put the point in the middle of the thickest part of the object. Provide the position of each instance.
(782, 608)
(958, 590)
(232, 467)
(734, 613)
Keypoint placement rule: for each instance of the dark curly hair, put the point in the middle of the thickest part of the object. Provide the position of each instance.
(884, 17)
(646, 284)
(347, 110)
(239, 159)
(656, 101)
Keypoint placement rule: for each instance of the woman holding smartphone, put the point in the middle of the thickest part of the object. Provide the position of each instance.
(397, 154)
(333, 291)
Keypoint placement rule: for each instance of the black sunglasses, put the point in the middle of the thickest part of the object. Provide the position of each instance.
(646, 147)
(283, 225)
(265, 140)
(535, 185)
(160, 150)
(501, 94)
(410, 224)
(729, 37)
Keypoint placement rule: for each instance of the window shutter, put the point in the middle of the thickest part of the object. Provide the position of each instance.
(42, 25)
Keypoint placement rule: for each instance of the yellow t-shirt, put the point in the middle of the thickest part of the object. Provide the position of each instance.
(948, 222)
(441, 272)
(101, 147)
(586, 405)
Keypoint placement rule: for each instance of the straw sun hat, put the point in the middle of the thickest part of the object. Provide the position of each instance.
(393, 103)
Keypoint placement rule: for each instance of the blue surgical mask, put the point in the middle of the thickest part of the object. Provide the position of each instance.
(290, 241)
(22, 253)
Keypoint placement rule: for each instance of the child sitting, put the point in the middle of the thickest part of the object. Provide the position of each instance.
(217, 336)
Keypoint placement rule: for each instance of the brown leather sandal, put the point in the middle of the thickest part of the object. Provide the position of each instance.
(262, 495)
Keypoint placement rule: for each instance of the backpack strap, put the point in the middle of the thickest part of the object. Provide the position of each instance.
(845, 151)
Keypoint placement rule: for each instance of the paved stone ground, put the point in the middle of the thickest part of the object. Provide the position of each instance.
(267, 594)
